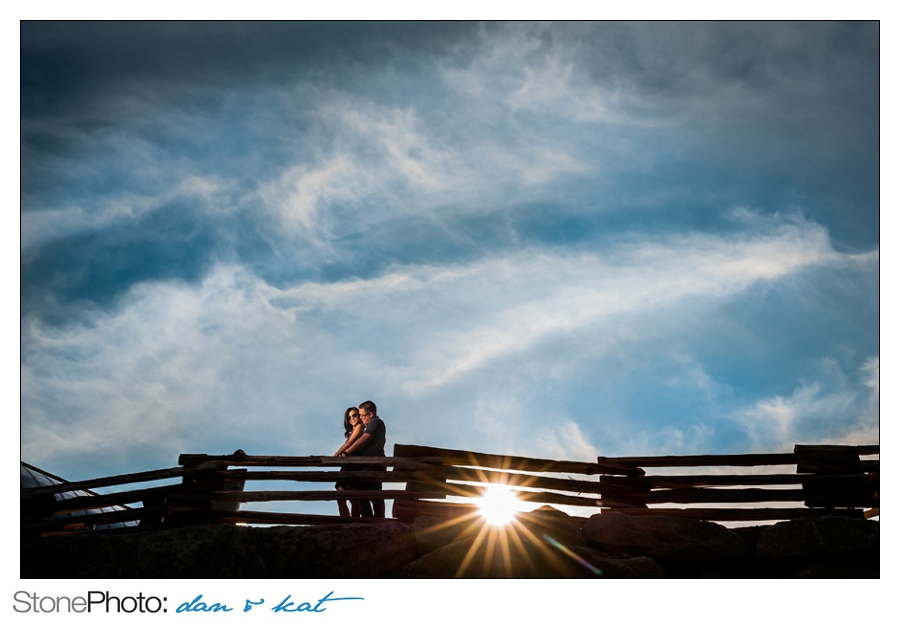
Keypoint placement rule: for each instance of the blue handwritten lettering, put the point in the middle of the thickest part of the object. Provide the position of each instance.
(286, 606)
(249, 604)
(195, 605)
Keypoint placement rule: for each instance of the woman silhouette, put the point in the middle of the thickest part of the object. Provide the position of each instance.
(353, 429)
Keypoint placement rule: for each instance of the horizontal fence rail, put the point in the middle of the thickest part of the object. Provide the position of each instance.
(828, 479)
(456, 457)
(817, 479)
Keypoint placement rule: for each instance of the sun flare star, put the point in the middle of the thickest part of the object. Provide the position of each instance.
(499, 505)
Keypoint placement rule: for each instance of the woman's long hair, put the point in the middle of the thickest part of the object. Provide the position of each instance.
(348, 429)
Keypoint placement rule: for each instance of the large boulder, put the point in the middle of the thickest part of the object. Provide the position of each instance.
(547, 524)
(432, 532)
(820, 539)
(476, 557)
(589, 563)
(532, 539)
(548, 537)
(674, 543)
(750, 534)
(329, 551)
(352, 551)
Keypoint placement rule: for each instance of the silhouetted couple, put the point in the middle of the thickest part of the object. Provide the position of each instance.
(365, 434)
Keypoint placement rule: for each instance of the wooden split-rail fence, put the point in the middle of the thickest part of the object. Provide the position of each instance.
(812, 480)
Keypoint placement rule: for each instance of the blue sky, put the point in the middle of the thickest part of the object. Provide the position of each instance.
(556, 240)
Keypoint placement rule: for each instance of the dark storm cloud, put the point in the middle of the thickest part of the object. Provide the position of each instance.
(796, 102)
(79, 78)
(802, 77)
(66, 65)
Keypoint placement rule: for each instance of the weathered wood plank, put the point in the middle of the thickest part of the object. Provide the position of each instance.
(736, 514)
(828, 462)
(116, 480)
(712, 495)
(100, 518)
(284, 518)
(738, 495)
(863, 450)
(839, 484)
(488, 476)
(468, 490)
(322, 495)
(735, 460)
(102, 501)
(685, 495)
(329, 476)
(857, 501)
(675, 481)
(512, 463)
(851, 492)
(435, 475)
(305, 461)
(435, 491)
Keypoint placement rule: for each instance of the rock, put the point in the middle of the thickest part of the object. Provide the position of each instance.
(224, 551)
(750, 534)
(819, 571)
(352, 551)
(541, 544)
(450, 542)
(183, 552)
(670, 541)
(548, 524)
(504, 556)
(433, 533)
(471, 558)
(548, 536)
(816, 539)
(585, 562)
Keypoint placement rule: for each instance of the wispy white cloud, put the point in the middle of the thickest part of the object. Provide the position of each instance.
(773, 419)
(564, 440)
(235, 359)
(866, 430)
(565, 294)
(815, 410)
(298, 195)
(383, 163)
(349, 160)
(46, 224)
(522, 70)
(554, 87)
(399, 137)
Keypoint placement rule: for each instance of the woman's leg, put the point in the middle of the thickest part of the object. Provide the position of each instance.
(342, 505)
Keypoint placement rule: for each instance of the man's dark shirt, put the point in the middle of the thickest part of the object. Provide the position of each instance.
(374, 446)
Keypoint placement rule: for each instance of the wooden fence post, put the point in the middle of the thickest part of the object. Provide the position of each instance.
(845, 484)
(194, 505)
(407, 510)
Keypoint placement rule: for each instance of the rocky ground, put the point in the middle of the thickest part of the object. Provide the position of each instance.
(544, 543)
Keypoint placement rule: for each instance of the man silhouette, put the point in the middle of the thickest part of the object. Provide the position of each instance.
(371, 443)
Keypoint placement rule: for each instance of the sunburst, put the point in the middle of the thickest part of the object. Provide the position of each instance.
(499, 505)
(499, 535)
